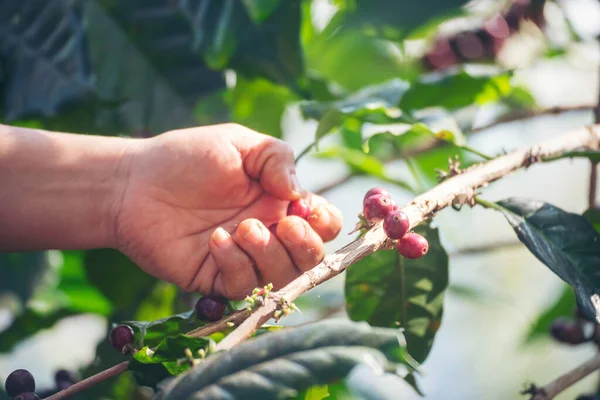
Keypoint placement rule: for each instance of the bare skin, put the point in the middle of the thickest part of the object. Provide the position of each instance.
(190, 207)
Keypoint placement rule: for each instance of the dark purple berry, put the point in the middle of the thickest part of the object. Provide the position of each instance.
(467, 46)
(566, 331)
(376, 207)
(273, 228)
(396, 224)
(413, 245)
(299, 208)
(65, 376)
(121, 336)
(19, 381)
(26, 396)
(375, 191)
(210, 308)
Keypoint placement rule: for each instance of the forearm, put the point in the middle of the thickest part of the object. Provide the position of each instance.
(60, 191)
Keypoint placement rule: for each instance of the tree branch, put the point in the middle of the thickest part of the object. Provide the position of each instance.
(561, 383)
(89, 382)
(423, 207)
(519, 115)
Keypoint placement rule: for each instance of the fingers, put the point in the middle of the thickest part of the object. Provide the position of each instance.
(302, 243)
(326, 219)
(270, 257)
(269, 160)
(236, 276)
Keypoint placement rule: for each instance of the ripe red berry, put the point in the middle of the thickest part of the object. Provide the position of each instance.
(376, 207)
(273, 228)
(65, 378)
(210, 308)
(19, 381)
(121, 336)
(396, 224)
(566, 331)
(375, 191)
(27, 396)
(413, 245)
(299, 208)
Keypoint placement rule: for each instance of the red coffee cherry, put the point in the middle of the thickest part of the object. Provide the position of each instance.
(19, 381)
(121, 336)
(375, 191)
(566, 331)
(210, 308)
(413, 246)
(376, 207)
(299, 208)
(396, 224)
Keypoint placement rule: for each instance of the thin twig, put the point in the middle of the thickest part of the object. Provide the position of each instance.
(561, 383)
(428, 145)
(91, 381)
(235, 318)
(423, 207)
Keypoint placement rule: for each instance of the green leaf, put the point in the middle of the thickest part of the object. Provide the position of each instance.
(395, 20)
(22, 273)
(391, 291)
(117, 277)
(566, 243)
(564, 306)
(456, 91)
(45, 65)
(260, 10)
(281, 364)
(318, 392)
(150, 367)
(259, 104)
(377, 101)
(150, 333)
(593, 215)
(330, 120)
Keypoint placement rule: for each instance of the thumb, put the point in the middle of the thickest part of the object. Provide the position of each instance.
(270, 161)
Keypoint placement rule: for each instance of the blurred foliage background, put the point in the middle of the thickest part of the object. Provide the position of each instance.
(366, 70)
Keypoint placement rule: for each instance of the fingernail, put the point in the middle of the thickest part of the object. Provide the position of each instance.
(322, 214)
(254, 235)
(221, 238)
(296, 188)
(296, 232)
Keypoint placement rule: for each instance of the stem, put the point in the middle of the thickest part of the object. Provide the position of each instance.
(305, 152)
(91, 381)
(487, 204)
(561, 383)
(476, 152)
(421, 208)
(593, 184)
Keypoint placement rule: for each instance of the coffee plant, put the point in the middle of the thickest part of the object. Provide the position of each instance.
(139, 68)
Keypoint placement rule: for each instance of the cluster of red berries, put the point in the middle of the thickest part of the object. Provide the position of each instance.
(20, 384)
(485, 42)
(378, 206)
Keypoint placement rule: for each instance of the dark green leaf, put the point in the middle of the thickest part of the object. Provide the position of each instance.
(22, 273)
(593, 215)
(566, 243)
(260, 10)
(391, 291)
(456, 91)
(117, 277)
(395, 20)
(564, 306)
(150, 367)
(152, 332)
(43, 56)
(280, 364)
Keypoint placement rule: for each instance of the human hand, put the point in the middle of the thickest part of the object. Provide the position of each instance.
(197, 205)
